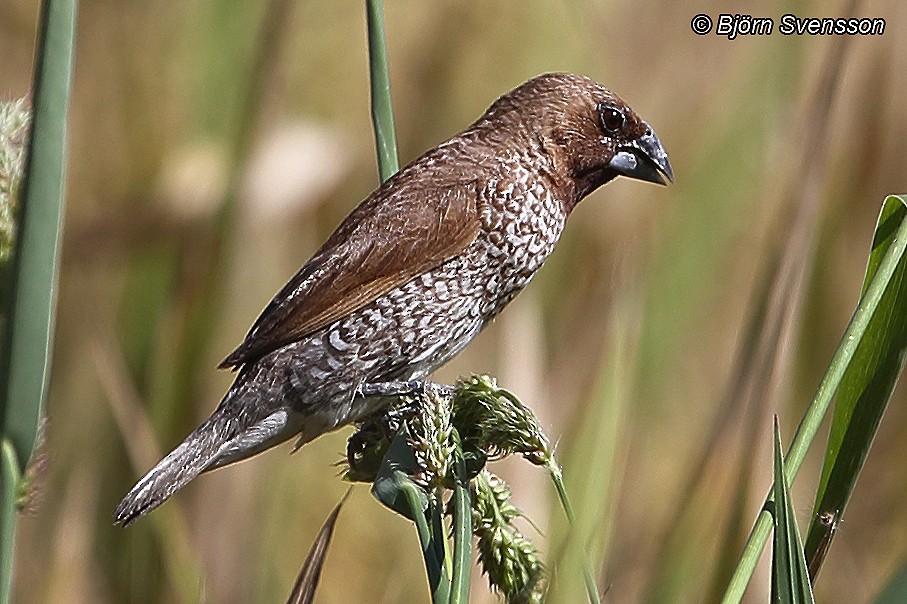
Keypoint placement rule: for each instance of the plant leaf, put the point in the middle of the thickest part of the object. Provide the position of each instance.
(394, 486)
(790, 578)
(865, 390)
(307, 581)
(28, 311)
(890, 265)
(462, 529)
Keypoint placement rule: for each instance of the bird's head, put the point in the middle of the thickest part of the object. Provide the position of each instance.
(589, 133)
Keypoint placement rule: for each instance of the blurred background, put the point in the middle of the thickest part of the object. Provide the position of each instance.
(215, 144)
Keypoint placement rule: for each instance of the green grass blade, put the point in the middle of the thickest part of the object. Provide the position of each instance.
(29, 311)
(438, 578)
(790, 578)
(895, 590)
(435, 515)
(591, 458)
(203, 316)
(29, 307)
(865, 390)
(809, 425)
(382, 106)
(9, 481)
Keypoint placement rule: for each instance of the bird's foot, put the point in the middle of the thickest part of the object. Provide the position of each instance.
(390, 419)
(367, 447)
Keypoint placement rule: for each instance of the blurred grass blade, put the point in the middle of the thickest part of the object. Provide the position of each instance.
(307, 581)
(29, 308)
(593, 455)
(557, 477)
(890, 268)
(382, 106)
(895, 590)
(865, 389)
(790, 579)
(202, 318)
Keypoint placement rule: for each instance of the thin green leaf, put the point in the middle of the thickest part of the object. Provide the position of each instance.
(435, 514)
(25, 352)
(865, 389)
(310, 573)
(790, 579)
(29, 308)
(889, 266)
(9, 481)
(382, 107)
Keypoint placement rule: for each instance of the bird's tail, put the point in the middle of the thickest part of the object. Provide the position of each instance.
(184, 463)
(227, 436)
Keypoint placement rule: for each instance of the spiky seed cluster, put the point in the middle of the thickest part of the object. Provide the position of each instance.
(493, 420)
(510, 560)
(14, 120)
(430, 438)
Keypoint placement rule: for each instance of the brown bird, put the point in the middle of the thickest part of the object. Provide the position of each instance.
(415, 272)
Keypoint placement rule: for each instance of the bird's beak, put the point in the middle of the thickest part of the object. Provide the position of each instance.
(644, 159)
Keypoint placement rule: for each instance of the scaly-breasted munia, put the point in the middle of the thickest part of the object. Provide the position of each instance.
(415, 272)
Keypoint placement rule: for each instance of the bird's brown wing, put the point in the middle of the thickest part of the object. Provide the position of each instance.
(394, 235)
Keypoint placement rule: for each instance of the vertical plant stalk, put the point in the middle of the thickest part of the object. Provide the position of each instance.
(462, 528)
(29, 309)
(9, 486)
(811, 421)
(431, 535)
(435, 514)
(382, 106)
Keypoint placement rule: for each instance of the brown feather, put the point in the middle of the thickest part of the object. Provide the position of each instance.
(396, 234)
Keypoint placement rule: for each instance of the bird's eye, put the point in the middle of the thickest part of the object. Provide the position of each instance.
(612, 119)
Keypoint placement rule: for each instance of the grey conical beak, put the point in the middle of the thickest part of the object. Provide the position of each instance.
(644, 159)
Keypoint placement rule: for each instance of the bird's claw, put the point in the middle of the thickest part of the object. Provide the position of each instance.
(403, 388)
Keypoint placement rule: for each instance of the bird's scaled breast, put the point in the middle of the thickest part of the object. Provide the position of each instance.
(522, 221)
